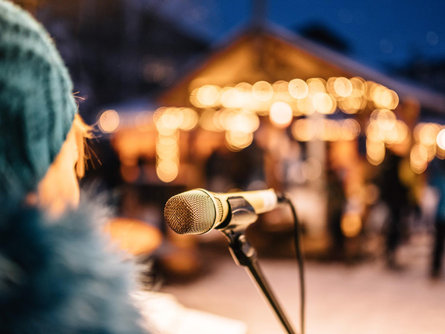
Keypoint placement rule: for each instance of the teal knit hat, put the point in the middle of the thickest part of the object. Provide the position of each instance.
(37, 107)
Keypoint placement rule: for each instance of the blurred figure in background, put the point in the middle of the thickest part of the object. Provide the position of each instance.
(395, 195)
(438, 182)
(57, 274)
(336, 205)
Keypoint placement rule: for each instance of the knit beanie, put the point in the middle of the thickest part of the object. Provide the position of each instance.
(37, 107)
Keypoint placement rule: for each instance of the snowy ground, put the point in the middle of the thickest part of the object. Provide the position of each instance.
(365, 298)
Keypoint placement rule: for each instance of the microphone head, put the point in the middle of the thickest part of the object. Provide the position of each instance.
(191, 212)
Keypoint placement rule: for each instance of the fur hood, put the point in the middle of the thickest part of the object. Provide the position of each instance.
(62, 276)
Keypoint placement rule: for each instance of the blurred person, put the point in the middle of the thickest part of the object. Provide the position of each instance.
(336, 198)
(57, 272)
(438, 182)
(395, 194)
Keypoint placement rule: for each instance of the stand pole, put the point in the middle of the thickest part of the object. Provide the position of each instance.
(245, 255)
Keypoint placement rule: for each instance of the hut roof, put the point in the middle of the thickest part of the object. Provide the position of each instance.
(268, 52)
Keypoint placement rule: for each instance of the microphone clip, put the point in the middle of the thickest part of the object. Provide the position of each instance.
(242, 214)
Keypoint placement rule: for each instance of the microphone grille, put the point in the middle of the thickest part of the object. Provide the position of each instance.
(191, 212)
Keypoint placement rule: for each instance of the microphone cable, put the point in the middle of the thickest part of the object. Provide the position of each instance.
(300, 260)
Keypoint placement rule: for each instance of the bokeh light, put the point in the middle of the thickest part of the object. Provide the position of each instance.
(298, 88)
(351, 224)
(208, 95)
(375, 152)
(238, 140)
(383, 97)
(303, 130)
(440, 139)
(262, 91)
(239, 121)
(281, 114)
(418, 158)
(316, 85)
(426, 133)
(305, 106)
(109, 121)
(167, 171)
(190, 119)
(324, 103)
(358, 87)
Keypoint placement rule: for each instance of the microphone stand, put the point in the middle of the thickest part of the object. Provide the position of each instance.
(245, 255)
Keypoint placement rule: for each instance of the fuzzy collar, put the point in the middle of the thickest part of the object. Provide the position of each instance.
(62, 277)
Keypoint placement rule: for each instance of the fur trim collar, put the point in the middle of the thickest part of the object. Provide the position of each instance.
(62, 277)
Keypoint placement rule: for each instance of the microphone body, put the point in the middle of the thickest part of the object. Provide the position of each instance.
(199, 211)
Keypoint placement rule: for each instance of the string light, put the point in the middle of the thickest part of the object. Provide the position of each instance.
(440, 139)
(262, 91)
(208, 95)
(298, 88)
(281, 114)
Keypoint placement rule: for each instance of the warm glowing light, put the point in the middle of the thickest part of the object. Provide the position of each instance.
(109, 121)
(330, 131)
(166, 142)
(418, 158)
(170, 116)
(238, 140)
(370, 86)
(375, 152)
(351, 104)
(208, 95)
(303, 130)
(316, 85)
(209, 121)
(133, 236)
(384, 97)
(386, 119)
(350, 129)
(262, 91)
(280, 86)
(281, 91)
(440, 139)
(194, 100)
(306, 106)
(358, 87)
(324, 103)
(342, 87)
(426, 133)
(298, 88)
(190, 119)
(280, 114)
(244, 87)
(385, 127)
(232, 98)
(239, 121)
(432, 150)
(398, 134)
(167, 171)
(373, 132)
(351, 224)
(167, 120)
(168, 153)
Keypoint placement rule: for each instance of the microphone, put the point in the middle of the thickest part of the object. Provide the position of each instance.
(198, 211)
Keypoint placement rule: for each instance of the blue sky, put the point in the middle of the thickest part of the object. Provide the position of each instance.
(379, 31)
